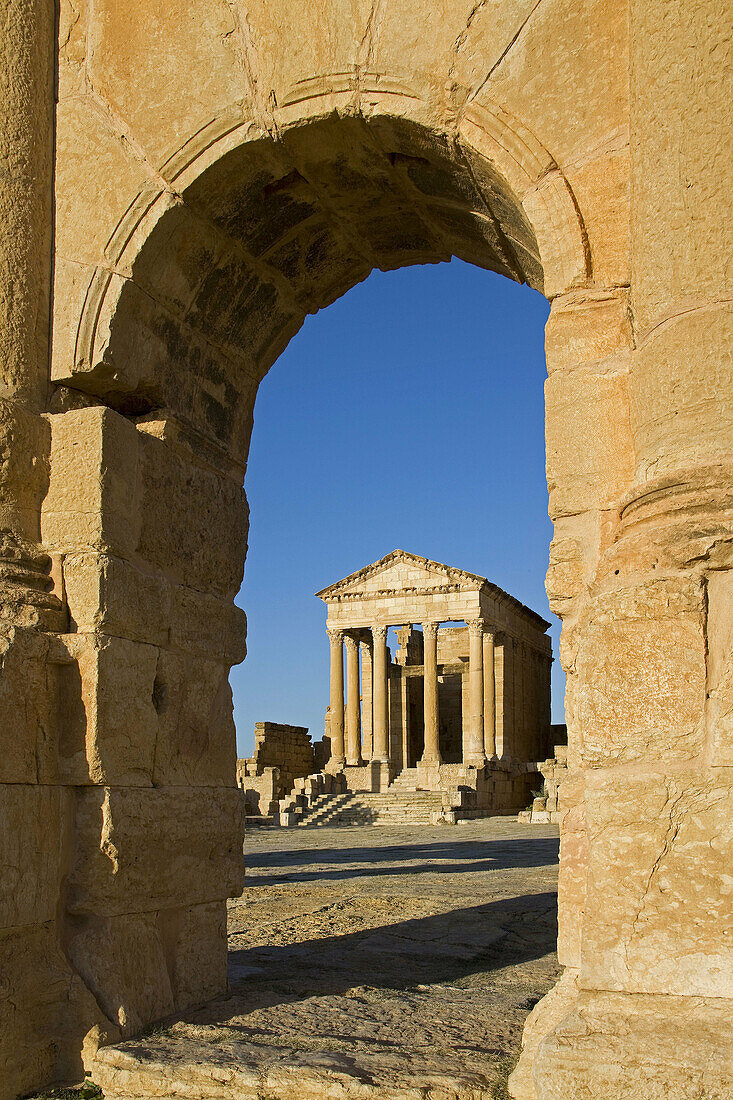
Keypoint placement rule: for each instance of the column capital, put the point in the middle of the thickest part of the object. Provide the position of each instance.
(379, 632)
(335, 634)
(352, 643)
(476, 626)
(430, 630)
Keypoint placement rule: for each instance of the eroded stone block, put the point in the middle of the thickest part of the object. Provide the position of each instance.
(661, 1048)
(122, 960)
(94, 494)
(27, 708)
(659, 909)
(106, 720)
(196, 945)
(141, 850)
(640, 689)
(32, 842)
(110, 595)
(194, 522)
(196, 738)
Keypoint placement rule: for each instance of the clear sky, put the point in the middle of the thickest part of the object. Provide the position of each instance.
(407, 414)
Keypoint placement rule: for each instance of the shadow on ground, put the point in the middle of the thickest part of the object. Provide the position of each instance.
(465, 857)
(443, 948)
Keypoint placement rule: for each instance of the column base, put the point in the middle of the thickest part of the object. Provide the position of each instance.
(335, 764)
(475, 760)
(600, 1044)
(432, 760)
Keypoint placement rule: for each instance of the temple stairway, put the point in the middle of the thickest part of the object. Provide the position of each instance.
(405, 781)
(392, 807)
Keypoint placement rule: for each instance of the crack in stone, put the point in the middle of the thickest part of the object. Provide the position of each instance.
(461, 38)
(247, 54)
(503, 54)
(670, 837)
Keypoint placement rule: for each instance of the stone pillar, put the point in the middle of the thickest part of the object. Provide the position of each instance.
(27, 90)
(489, 696)
(508, 728)
(474, 753)
(42, 1024)
(641, 894)
(353, 702)
(380, 724)
(366, 710)
(431, 750)
(336, 731)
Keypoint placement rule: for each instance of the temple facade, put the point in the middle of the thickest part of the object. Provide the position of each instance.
(466, 692)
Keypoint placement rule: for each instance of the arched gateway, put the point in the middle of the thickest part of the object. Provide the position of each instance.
(182, 185)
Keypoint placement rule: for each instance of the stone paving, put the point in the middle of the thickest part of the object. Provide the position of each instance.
(389, 962)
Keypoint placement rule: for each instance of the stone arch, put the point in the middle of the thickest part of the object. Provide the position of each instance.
(203, 285)
(108, 595)
(515, 214)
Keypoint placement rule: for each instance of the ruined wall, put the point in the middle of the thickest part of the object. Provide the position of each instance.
(220, 172)
(280, 745)
(282, 754)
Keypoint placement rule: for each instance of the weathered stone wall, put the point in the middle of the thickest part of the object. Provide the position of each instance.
(282, 754)
(219, 173)
(282, 746)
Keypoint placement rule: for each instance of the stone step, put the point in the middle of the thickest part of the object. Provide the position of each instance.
(353, 808)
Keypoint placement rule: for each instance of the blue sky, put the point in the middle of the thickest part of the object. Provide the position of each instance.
(407, 414)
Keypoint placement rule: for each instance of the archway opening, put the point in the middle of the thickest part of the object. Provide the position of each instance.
(412, 427)
(205, 289)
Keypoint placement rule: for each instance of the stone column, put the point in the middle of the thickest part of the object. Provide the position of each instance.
(353, 701)
(27, 91)
(475, 742)
(431, 750)
(336, 731)
(489, 696)
(380, 724)
(366, 711)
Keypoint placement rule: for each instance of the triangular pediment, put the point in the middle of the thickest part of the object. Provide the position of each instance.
(401, 572)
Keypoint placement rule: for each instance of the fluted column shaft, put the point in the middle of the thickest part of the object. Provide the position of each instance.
(380, 724)
(489, 696)
(336, 730)
(475, 742)
(431, 749)
(353, 702)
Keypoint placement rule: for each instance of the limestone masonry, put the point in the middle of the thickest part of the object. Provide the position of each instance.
(181, 185)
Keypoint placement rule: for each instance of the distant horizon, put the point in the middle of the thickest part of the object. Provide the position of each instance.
(432, 441)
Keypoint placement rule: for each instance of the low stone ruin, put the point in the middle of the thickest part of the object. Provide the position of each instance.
(282, 754)
(545, 808)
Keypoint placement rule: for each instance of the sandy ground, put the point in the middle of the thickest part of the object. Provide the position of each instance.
(368, 961)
